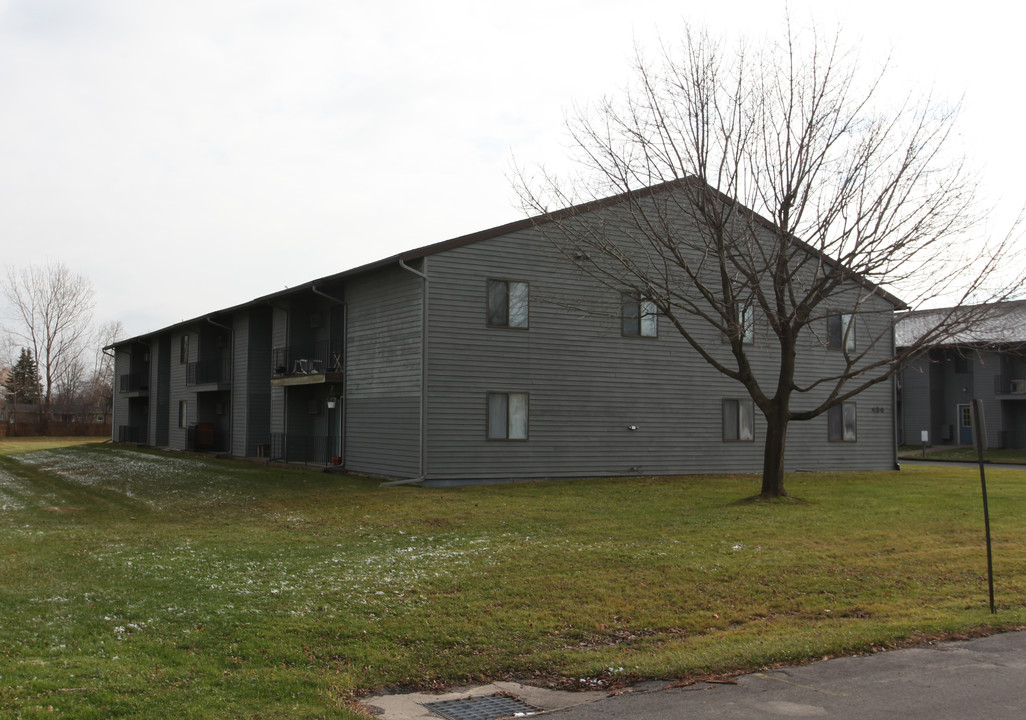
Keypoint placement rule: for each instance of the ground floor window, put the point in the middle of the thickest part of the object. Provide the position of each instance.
(842, 425)
(738, 419)
(507, 415)
(183, 413)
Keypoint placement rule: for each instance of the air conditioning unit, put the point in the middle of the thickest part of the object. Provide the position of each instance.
(1019, 386)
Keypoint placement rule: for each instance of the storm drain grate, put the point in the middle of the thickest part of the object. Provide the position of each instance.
(485, 707)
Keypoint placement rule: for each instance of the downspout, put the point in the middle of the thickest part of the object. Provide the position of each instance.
(231, 393)
(895, 419)
(345, 360)
(424, 337)
(114, 368)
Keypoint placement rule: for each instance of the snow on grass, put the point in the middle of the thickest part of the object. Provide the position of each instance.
(156, 480)
(369, 578)
(12, 492)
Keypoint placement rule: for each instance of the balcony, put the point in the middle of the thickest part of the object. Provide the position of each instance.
(1008, 388)
(136, 383)
(215, 372)
(306, 449)
(309, 364)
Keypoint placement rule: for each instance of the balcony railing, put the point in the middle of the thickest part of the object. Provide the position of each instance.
(1006, 385)
(306, 359)
(207, 372)
(135, 382)
(307, 449)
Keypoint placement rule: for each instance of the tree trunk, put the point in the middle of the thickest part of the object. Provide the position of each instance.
(773, 455)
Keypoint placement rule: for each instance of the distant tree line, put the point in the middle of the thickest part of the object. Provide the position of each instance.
(52, 353)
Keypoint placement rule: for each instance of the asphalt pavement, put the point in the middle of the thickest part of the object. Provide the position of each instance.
(964, 680)
(983, 678)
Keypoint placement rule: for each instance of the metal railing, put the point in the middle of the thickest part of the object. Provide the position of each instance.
(306, 359)
(1008, 385)
(207, 372)
(134, 382)
(306, 449)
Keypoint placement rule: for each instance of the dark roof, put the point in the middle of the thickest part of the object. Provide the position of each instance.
(1002, 323)
(526, 223)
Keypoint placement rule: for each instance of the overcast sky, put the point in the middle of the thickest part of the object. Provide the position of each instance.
(189, 155)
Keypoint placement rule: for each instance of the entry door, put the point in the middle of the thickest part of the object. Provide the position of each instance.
(965, 425)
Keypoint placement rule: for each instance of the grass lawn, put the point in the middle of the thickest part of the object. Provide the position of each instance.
(13, 445)
(968, 454)
(146, 585)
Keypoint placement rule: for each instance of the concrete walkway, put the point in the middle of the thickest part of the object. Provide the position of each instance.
(964, 680)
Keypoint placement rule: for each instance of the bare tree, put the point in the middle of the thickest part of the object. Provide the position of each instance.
(775, 187)
(101, 385)
(52, 314)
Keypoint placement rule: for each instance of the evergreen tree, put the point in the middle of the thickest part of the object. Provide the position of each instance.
(22, 384)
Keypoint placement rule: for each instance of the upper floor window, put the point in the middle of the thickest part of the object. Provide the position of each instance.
(842, 423)
(183, 350)
(744, 324)
(507, 303)
(639, 316)
(841, 332)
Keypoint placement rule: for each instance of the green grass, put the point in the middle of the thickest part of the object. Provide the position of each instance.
(146, 585)
(964, 454)
(14, 445)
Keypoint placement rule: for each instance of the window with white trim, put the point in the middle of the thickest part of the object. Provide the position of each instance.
(842, 423)
(507, 415)
(738, 419)
(183, 413)
(507, 304)
(639, 316)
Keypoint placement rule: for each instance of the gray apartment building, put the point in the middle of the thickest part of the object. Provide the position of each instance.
(985, 361)
(486, 357)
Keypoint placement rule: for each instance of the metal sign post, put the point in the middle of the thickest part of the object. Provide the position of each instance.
(980, 441)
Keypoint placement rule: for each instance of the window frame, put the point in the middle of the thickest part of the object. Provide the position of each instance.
(832, 423)
(491, 434)
(965, 416)
(841, 337)
(643, 308)
(508, 309)
(733, 408)
(183, 414)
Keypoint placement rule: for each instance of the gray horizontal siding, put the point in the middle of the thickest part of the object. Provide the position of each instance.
(383, 338)
(122, 364)
(383, 436)
(588, 384)
(383, 373)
